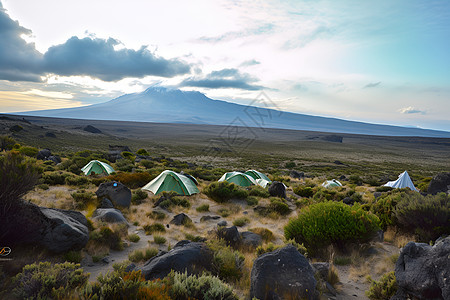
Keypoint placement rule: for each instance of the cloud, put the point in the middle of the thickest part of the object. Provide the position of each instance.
(307, 38)
(411, 110)
(90, 56)
(248, 63)
(232, 35)
(225, 78)
(372, 85)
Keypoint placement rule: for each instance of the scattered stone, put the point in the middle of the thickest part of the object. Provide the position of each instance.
(106, 203)
(348, 201)
(423, 271)
(44, 154)
(277, 189)
(105, 260)
(54, 158)
(92, 129)
(377, 195)
(343, 177)
(283, 274)
(440, 183)
(338, 162)
(186, 256)
(181, 219)
(222, 223)
(251, 239)
(322, 268)
(207, 218)
(109, 215)
(50, 134)
(296, 174)
(118, 193)
(230, 235)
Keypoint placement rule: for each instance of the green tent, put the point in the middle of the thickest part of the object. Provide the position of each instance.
(97, 167)
(238, 178)
(331, 183)
(171, 181)
(262, 182)
(257, 175)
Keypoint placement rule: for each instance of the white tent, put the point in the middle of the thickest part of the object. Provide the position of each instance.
(403, 181)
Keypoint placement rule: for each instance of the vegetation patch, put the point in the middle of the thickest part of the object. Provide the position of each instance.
(224, 191)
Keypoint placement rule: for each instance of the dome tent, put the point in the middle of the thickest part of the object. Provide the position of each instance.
(97, 167)
(238, 178)
(331, 183)
(403, 181)
(257, 175)
(171, 181)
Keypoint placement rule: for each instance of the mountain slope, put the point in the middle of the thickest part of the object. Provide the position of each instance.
(174, 106)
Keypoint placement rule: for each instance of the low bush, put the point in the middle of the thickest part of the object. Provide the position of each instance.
(279, 206)
(134, 238)
(142, 255)
(106, 236)
(43, 186)
(239, 222)
(77, 180)
(128, 155)
(132, 180)
(224, 191)
(83, 198)
(157, 215)
(48, 281)
(323, 194)
(384, 288)
(155, 227)
(29, 151)
(265, 233)
(260, 250)
(142, 152)
(252, 200)
(194, 238)
(383, 189)
(159, 239)
(207, 174)
(138, 197)
(203, 208)
(124, 165)
(290, 165)
(355, 179)
(6, 143)
(258, 191)
(148, 164)
(186, 287)
(227, 263)
(55, 178)
(304, 191)
(73, 256)
(175, 201)
(331, 222)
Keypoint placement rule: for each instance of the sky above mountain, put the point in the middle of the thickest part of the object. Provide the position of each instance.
(383, 62)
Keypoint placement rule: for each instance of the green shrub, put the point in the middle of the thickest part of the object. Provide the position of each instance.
(55, 178)
(186, 287)
(142, 152)
(252, 200)
(331, 222)
(227, 263)
(132, 180)
(6, 143)
(290, 165)
(304, 191)
(138, 197)
(355, 179)
(239, 222)
(157, 215)
(224, 212)
(148, 164)
(383, 289)
(194, 238)
(142, 255)
(83, 198)
(134, 238)
(383, 208)
(342, 260)
(73, 256)
(155, 227)
(106, 236)
(43, 186)
(258, 191)
(128, 155)
(124, 165)
(44, 280)
(423, 184)
(175, 201)
(77, 180)
(324, 194)
(29, 151)
(224, 191)
(427, 217)
(203, 208)
(383, 189)
(279, 206)
(159, 239)
(260, 250)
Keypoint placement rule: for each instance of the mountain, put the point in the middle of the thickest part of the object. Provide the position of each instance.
(164, 105)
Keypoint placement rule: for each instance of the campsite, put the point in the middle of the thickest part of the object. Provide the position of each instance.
(135, 201)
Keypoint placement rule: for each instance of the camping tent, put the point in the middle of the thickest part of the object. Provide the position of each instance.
(403, 181)
(331, 183)
(97, 167)
(257, 175)
(263, 182)
(171, 181)
(238, 178)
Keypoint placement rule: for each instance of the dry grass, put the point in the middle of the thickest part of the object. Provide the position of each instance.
(55, 197)
(397, 239)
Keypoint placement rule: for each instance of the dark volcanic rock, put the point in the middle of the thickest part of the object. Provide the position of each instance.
(251, 239)
(222, 223)
(283, 274)
(44, 154)
(92, 129)
(207, 218)
(296, 174)
(118, 193)
(54, 158)
(50, 134)
(322, 268)
(333, 138)
(15, 128)
(106, 203)
(423, 271)
(230, 235)
(439, 183)
(277, 189)
(186, 256)
(115, 152)
(109, 215)
(181, 219)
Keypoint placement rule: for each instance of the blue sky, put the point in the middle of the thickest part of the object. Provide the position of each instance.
(383, 62)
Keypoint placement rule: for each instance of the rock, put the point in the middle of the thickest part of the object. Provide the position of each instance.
(333, 138)
(43, 154)
(181, 219)
(283, 274)
(343, 177)
(423, 271)
(15, 128)
(186, 256)
(277, 189)
(92, 129)
(54, 158)
(67, 231)
(109, 215)
(130, 267)
(118, 193)
(439, 183)
(105, 260)
(50, 134)
(348, 201)
(106, 203)
(207, 218)
(115, 152)
(230, 235)
(338, 162)
(251, 239)
(296, 174)
(222, 223)
(377, 195)
(322, 268)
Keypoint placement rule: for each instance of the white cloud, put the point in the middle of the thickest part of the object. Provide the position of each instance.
(411, 110)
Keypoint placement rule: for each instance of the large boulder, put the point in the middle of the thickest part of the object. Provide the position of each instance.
(251, 239)
(115, 152)
(297, 174)
(282, 274)
(423, 271)
(230, 235)
(109, 215)
(181, 219)
(186, 256)
(118, 193)
(439, 183)
(67, 231)
(44, 154)
(92, 129)
(277, 189)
